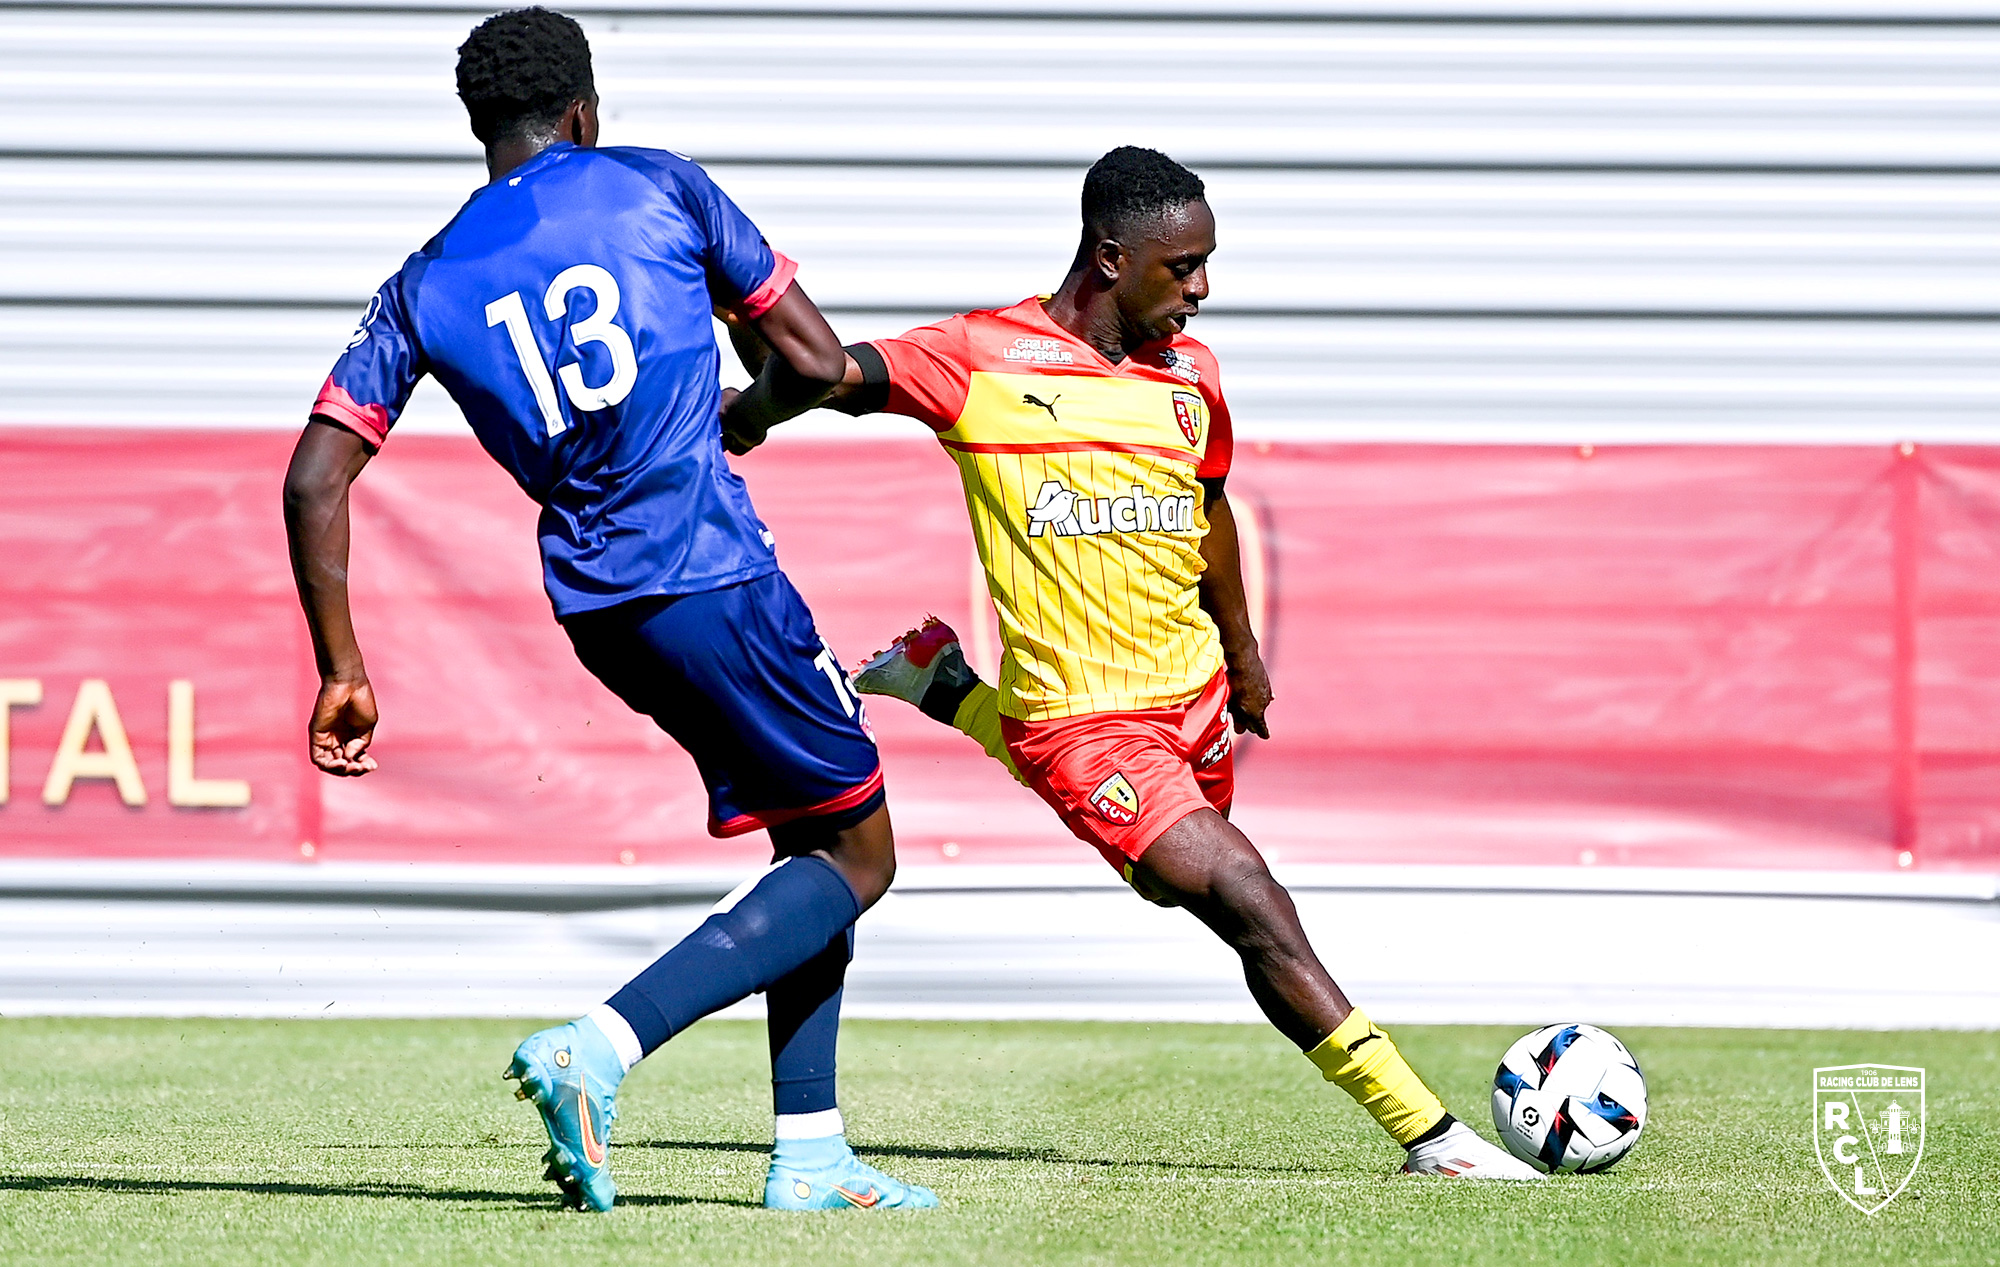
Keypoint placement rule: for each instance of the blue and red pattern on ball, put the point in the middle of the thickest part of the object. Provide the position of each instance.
(1615, 1113)
(1554, 1051)
(1556, 1142)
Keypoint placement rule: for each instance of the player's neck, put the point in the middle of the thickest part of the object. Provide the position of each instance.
(504, 156)
(577, 125)
(1090, 314)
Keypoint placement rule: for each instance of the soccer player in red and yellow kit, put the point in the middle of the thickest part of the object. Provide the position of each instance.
(1094, 443)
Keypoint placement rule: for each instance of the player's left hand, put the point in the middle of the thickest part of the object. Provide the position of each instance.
(1249, 693)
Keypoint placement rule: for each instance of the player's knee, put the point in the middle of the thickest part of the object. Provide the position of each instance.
(877, 875)
(1202, 863)
(1239, 873)
(868, 872)
(866, 856)
(1243, 886)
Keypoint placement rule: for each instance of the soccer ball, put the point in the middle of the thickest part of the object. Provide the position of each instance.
(1569, 1097)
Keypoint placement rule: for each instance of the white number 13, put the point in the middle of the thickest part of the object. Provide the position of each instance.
(596, 328)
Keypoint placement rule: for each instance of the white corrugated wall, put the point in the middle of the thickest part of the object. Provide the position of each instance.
(1584, 221)
(1587, 220)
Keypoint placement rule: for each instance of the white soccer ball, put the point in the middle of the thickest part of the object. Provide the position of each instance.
(1569, 1097)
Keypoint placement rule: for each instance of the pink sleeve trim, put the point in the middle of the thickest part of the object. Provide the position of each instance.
(761, 300)
(370, 422)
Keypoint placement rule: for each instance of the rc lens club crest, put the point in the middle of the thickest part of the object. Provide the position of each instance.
(1868, 1130)
(1191, 414)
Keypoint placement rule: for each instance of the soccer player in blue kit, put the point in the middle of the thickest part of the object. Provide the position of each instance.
(566, 308)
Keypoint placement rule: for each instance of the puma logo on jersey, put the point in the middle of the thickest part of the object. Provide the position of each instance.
(1117, 800)
(1029, 398)
(1070, 515)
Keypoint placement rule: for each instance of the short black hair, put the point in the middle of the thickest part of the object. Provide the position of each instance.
(1130, 186)
(522, 68)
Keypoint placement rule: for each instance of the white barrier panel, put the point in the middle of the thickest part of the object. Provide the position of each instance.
(1526, 946)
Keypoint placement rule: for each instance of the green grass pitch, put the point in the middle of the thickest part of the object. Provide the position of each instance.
(169, 1141)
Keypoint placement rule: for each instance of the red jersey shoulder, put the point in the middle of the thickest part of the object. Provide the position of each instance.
(1190, 361)
(1018, 338)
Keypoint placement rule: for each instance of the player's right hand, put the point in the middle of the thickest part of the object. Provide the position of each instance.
(1249, 692)
(342, 727)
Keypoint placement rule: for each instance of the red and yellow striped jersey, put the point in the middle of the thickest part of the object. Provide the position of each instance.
(1083, 482)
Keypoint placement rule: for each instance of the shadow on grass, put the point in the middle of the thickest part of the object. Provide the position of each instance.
(1046, 1156)
(398, 1191)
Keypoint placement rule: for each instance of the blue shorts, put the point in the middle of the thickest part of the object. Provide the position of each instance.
(743, 681)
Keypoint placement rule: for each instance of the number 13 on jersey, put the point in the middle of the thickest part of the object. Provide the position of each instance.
(508, 310)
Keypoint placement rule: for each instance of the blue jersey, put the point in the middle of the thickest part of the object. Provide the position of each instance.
(566, 308)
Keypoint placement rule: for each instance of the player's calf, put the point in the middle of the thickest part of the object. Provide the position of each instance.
(1207, 865)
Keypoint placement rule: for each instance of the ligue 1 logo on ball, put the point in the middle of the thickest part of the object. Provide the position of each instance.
(1868, 1130)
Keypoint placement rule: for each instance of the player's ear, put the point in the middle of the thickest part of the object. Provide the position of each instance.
(579, 123)
(1109, 257)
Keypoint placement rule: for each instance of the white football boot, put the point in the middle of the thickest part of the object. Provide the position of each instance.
(1462, 1154)
(924, 657)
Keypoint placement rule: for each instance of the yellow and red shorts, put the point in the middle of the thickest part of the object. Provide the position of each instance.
(1119, 780)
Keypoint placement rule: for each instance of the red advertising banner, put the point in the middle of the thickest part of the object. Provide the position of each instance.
(1677, 656)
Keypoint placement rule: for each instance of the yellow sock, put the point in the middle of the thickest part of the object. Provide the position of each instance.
(1363, 1061)
(979, 716)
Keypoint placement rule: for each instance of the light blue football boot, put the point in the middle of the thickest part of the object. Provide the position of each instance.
(572, 1074)
(824, 1174)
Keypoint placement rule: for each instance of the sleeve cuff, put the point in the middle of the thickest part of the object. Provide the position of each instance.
(874, 369)
(872, 397)
(897, 398)
(760, 301)
(370, 422)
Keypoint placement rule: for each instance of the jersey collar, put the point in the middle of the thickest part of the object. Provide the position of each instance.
(1040, 316)
(543, 159)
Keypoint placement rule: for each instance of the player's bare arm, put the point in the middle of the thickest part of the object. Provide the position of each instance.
(1223, 599)
(324, 465)
(798, 361)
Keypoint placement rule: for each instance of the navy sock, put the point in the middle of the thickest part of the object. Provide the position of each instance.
(805, 1029)
(785, 920)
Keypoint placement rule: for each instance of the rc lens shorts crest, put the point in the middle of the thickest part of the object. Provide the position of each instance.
(1119, 780)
